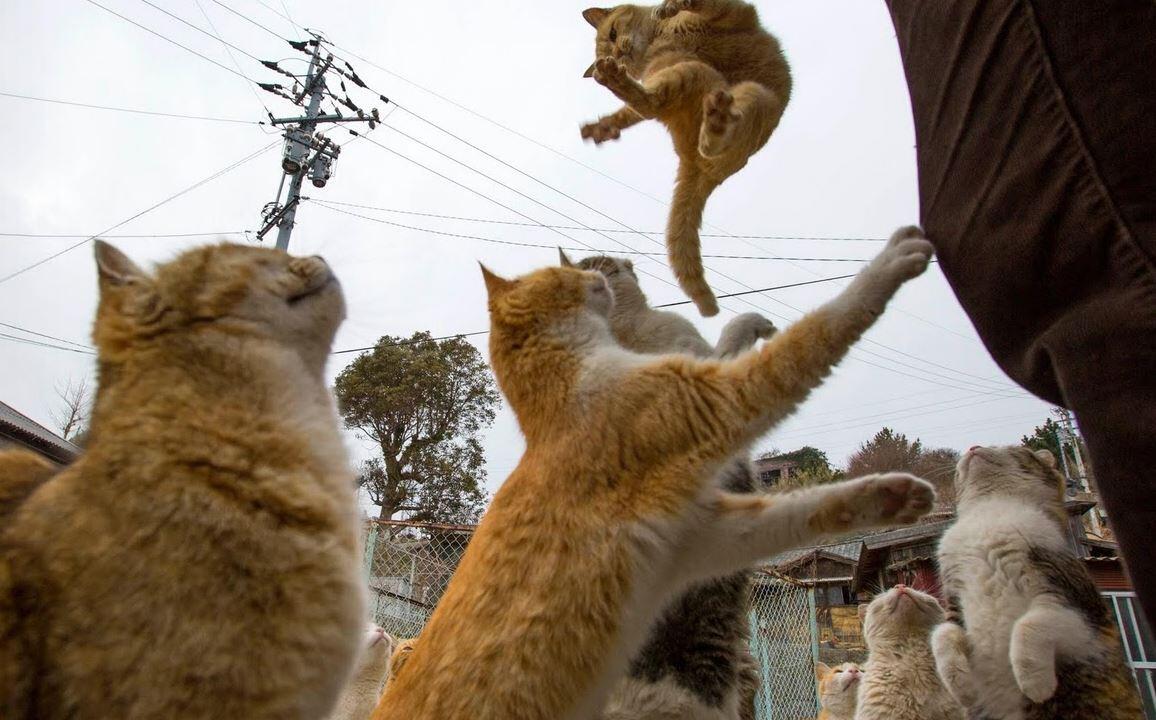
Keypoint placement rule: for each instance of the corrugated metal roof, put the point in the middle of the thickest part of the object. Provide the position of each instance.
(848, 550)
(28, 430)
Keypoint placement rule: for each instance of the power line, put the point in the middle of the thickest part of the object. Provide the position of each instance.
(146, 235)
(432, 231)
(186, 48)
(491, 221)
(46, 337)
(411, 342)
(147, 210)
(131, 110)
(201, 30)
(487, 197)
(232, 57)
(730, 295)
(251, 21)
(26, 341)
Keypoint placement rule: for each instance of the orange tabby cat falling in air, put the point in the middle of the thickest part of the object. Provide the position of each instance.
(719, 83)
(614, 507)
(201, 559)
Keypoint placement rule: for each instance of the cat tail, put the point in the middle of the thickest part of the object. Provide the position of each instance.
(691, 189)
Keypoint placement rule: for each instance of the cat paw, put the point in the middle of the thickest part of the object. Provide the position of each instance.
(875, 500)
(1038, 683)
(611, 74)
(670, 8)
(905, 256)
(950, 648)
(719, 121)
(306, 275)
(600, 131)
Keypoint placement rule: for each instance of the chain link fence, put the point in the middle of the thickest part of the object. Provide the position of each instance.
(783, 640)
(408, 566)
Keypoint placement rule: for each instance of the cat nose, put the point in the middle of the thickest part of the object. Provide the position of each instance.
(901, 587)
(973, 447)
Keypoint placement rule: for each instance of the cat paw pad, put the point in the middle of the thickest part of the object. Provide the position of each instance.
(888, 499)
(1038, 684)
(718, 122)
(600, 131)
(670, 8)
(907, 253)
(610, 72)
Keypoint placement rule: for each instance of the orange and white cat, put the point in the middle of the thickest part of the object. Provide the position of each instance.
(709, 72)
(201, 560)
(838, 688)
(614, 507)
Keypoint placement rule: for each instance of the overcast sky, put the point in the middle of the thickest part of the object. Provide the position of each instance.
(841, 165)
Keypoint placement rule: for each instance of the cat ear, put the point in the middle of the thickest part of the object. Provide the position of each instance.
(495, 284)
(589, 71)
(1046, 458)
(822, 670)
(564, 259)
(114, 267)
(595, 16)
(629, 264)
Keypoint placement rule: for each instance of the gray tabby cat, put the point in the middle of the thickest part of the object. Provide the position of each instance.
(1040, 643)
(899, 681)
(696, 664)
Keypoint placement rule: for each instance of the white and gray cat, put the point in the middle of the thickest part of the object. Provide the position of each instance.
(1040, 643)
(900, 682)
(696, 663)
(363, 690)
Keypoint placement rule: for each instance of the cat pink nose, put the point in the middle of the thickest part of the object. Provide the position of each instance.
(901, 587)
(973, 447)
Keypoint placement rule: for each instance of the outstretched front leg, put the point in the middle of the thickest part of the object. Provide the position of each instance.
(744, 529)
(610, 127)
(705, 411)
(662, 90)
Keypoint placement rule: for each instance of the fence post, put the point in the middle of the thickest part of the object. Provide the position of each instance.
(370, 548)
(811, 609)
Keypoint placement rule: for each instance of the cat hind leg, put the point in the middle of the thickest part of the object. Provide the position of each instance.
(737, 122)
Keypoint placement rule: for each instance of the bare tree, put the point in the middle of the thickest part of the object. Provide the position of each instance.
(72, 417)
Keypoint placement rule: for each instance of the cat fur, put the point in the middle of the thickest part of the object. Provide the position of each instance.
(900, 682)
(697, 661)
(21, 472)
(1033, 639)
(202, 558)
(709, 72)
(838, 690)
(613, 509)
(363, 690)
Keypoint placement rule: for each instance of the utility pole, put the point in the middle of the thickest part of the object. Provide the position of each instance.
(307, 152)
(1070, 439)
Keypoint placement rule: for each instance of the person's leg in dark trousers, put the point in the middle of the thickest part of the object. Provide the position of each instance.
(1036, 130)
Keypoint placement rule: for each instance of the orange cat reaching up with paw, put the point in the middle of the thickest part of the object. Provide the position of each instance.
(614, 507)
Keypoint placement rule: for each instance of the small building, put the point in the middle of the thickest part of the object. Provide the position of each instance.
(774, 469)
(18, 431)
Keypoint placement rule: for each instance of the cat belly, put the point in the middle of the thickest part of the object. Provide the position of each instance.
(636, 699)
